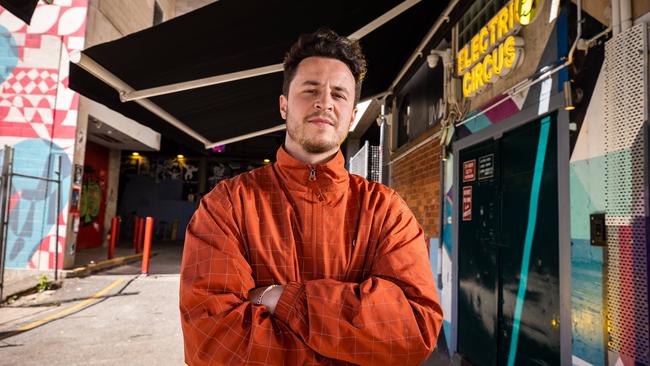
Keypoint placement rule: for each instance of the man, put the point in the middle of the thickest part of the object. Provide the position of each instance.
(299, 262)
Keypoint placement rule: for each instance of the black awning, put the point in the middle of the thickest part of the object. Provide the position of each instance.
(23, 9)
(236, 35)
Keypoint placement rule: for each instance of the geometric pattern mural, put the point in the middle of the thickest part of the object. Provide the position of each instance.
(39, 111)
(609, 289)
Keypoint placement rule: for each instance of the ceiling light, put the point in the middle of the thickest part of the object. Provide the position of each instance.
(135, 153)
(180, 156)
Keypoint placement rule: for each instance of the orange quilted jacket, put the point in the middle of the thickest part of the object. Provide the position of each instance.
(359, 287)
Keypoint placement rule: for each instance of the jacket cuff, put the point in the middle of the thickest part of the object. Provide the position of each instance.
(292, 304)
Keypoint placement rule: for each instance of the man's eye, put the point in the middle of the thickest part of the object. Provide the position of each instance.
(339, 96)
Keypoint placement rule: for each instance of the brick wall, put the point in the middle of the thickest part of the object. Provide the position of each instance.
(416, 177)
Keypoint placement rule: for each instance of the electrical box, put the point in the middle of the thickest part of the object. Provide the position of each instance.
(598, 231)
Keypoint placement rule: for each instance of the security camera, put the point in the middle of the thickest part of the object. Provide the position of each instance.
(432, 60)
(435, 55)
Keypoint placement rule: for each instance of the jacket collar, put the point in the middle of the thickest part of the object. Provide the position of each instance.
(329, 176)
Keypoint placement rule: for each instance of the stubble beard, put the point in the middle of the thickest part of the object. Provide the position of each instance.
(314, 144)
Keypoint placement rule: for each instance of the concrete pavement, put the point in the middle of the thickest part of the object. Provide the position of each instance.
(114, 317)
(135, 323)
(19, 280)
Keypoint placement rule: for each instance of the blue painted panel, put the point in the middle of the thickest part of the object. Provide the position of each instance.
(33, 216)
(587, 303)
(587, 196)
(8, 53)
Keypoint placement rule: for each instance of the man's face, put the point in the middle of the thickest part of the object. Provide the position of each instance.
(320, 106)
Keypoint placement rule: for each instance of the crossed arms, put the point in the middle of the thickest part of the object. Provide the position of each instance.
(391, 317)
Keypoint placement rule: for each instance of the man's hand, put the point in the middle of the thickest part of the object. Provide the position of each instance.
(270, 298)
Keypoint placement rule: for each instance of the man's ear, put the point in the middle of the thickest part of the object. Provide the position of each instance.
(283, 106)
(353, 117)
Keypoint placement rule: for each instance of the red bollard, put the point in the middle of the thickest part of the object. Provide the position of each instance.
(148, 231)
(114, 229)
(136, 233)
(141, 235)
(119, 226)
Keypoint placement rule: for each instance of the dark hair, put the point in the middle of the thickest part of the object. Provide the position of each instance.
(325, 43)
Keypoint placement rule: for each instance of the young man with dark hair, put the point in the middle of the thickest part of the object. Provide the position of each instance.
(300, 262)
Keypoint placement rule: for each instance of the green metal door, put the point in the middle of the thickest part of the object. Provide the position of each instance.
(478, 257)
(508, 298)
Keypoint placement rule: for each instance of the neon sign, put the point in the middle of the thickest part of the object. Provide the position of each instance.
(495, 50)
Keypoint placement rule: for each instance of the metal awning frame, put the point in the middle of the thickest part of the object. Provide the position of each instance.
(127, 93)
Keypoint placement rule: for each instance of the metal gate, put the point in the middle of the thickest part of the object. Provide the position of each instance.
(7, 175)
(367, 162)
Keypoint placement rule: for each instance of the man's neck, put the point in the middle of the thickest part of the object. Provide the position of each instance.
(309, 158)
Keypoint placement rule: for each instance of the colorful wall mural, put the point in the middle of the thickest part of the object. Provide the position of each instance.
(586, 196)
(609, 318)
(38, 117)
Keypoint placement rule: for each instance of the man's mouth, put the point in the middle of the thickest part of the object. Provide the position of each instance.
(321, 120)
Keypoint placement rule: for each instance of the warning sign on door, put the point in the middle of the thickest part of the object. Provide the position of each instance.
(486, 167)
(467, 203)
(469, 171)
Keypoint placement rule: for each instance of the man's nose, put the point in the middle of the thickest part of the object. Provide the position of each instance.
(324, 102)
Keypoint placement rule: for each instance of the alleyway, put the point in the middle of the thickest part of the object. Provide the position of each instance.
(110, 318)
(114, 317)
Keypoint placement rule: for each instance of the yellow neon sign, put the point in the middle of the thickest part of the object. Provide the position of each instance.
(494, 50)
(528, 10)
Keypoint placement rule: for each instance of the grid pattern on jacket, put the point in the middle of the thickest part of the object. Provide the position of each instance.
(358, 284)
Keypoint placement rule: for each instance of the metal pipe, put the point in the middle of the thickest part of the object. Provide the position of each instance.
(33, 177)
(381, 145)
(199, 83)
(441, 215)
(418, 51)
(116, 83)
(4, 207)
(131, 95)
(246, 136)
(586, 44)
(107, 77)
(626, 14)
(616, 17)
(543, 76)
(383, 19)
(56, 218)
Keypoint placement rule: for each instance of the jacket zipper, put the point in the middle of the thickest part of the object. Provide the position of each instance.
(314, 228)
(312, 173)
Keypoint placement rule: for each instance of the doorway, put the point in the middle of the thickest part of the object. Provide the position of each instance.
(92, 205)
(508, 248)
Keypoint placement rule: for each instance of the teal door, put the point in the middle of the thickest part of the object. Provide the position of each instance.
(508, 290)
